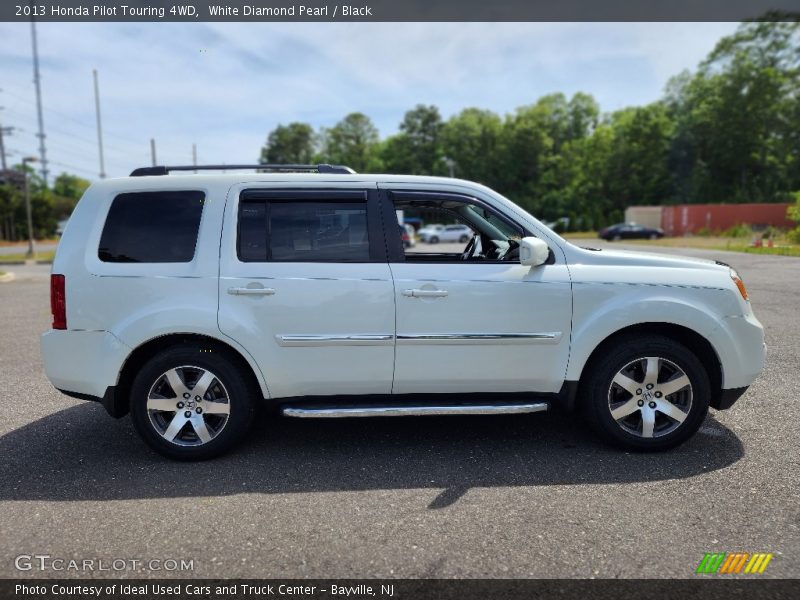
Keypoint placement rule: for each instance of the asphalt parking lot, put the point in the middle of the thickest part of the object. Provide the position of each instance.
(503, 496)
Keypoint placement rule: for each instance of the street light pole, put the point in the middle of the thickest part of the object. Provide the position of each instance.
(25, 161)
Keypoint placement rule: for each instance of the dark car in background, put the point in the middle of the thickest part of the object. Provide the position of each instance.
(629, 231)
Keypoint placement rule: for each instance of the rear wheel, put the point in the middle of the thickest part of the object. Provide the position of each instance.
(616, 238)
(463, 239)
(648, 393)
(192, 403)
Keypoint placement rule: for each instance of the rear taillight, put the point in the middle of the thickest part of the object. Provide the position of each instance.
(58, 301)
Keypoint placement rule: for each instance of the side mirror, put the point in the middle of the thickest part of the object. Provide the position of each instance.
(533, 252)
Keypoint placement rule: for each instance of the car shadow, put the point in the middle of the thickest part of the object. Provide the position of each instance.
(81, 454)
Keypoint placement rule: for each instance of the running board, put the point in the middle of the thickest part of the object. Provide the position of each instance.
(334, 412)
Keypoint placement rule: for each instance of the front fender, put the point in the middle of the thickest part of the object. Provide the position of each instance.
(600, 310)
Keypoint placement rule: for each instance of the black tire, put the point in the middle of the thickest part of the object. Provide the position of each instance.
(624, 351)
(653, 236)
(241, 392)
(463, 239)
(434, 240)
(615, 238)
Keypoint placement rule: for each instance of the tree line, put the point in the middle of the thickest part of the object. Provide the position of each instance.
(728, 132)
(49, 204)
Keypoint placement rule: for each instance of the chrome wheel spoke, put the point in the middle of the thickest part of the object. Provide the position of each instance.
(626, 409)
(648, 422)
(626, 383)
(216, 408)
(202, 385)
(176, 382)
(652, 369)
(163, 404)
(199, 425)
(175, 426)
(672, 411)
(674, 385)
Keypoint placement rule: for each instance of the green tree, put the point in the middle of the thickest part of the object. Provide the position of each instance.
(294, 143)
(472, 140)
(739, 117)
(353, 141)
(67, 190)
(637, 168)
(416, 150)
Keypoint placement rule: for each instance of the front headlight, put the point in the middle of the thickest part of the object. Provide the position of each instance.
(739, 284)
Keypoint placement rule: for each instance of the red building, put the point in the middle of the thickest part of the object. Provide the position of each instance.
(689, 218)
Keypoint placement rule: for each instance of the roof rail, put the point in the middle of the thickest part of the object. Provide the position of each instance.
(321, 168)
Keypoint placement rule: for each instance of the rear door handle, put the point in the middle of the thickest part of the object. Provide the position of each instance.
(245, 291)
(425, 293)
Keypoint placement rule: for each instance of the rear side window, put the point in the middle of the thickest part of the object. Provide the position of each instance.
(303, 231)
(152, 227)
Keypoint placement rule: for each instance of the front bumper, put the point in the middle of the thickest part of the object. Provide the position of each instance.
(739, 343)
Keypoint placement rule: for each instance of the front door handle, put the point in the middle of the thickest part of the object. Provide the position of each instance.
(246, 291)
(425, 293)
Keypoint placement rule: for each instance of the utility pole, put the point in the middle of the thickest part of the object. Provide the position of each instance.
(153, 150)
(37, 84)
(99, 125)
(4, 131)
(25, 161)
(194, 156)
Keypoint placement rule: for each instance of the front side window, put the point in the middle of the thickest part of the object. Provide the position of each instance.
(303, 231)
(473, 234)
(152, 227)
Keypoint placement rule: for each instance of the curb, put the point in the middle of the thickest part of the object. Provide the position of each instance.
(5, 278)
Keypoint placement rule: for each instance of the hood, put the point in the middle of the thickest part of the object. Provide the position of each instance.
(624, 258)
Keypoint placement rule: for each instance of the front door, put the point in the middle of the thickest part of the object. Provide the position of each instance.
(470, 318)
(305, 287)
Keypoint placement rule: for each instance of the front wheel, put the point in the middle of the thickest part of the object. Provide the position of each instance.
(648, 392)
(434, 240)
(192, 403)
(463, 239)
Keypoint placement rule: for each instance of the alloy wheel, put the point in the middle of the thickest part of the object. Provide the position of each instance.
(188, 406)
(650, 397)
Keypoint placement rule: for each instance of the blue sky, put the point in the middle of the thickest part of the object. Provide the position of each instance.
(225, 86)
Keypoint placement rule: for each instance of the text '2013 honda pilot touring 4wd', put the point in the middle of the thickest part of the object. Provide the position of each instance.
(187, 299)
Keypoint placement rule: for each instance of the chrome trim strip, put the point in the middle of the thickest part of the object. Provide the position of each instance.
(550, 337)
(408, 411)
(336, 340)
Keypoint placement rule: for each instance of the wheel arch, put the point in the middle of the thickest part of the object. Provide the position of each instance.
(146, 350)
(695, 342)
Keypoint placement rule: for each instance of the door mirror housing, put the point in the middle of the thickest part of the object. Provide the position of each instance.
(533, 252)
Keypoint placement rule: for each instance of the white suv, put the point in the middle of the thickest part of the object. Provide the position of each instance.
(187, 299)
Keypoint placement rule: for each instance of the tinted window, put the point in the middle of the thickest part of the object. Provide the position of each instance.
(152, 227)
(303, 231)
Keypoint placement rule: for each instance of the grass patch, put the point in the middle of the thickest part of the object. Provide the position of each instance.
(775, 250)
(21, 256)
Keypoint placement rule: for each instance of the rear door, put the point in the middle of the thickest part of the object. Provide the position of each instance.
(305, 287)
